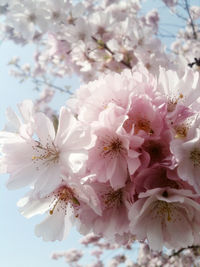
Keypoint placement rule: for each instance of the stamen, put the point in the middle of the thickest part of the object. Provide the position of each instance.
(48, 153)
(172, 102)
(181, 96)
(64, 196)
(113, 198)
(52, 210)
(181, 131)
(171, 105)
(163, 208)
(111, 147)
(195, 157)
(143, 124)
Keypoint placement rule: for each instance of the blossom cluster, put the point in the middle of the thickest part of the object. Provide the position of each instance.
(86, 38)
(90, 39)
(98, 249)
(123, 161)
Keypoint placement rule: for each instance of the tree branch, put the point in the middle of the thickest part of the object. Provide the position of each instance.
(37, 81)
(191, 20)
(111, 52)
(176, 253)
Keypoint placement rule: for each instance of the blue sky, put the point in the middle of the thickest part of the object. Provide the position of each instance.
(18, 245)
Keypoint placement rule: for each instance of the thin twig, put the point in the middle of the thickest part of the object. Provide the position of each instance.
(112, 53)
(37, 81)
(166, 35)
(171, 25)
(181, 17)
(176, 253)
(191, 20)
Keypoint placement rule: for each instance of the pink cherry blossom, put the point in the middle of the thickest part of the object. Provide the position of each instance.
(113, 203)
(166, 217)
(114, 155)
(47, 156)
(143, 117)
(63, 206)
(186, 152)
(89, 97)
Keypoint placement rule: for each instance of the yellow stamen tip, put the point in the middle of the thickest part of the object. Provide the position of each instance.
(181, 96)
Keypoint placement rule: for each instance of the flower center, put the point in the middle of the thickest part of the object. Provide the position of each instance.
(181, 131)
(112, 148)
(31, 17)
(195, 157)
(163, 209)
(64, 196)
(47, 154)
(156, 150)
(113, 198)
(144, 125)
(172, 102)
(55, 15)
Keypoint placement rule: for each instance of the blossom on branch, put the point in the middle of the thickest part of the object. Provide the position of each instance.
(118, 170)
(121, 161)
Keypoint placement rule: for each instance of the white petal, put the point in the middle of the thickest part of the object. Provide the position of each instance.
(44, 128)
(23, 177)
(53, 227)
(76, 161)
(66, 122)
(29, 208)
(26, 108)
(13, 123)
(179, 231)
(8, 137)
(154, 233)
(48, 179)
(3, 168)
(185, 171)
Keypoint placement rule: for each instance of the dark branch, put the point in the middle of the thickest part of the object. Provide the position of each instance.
(196, 62)
(104, 46)
(176, 253)
(191, 20)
